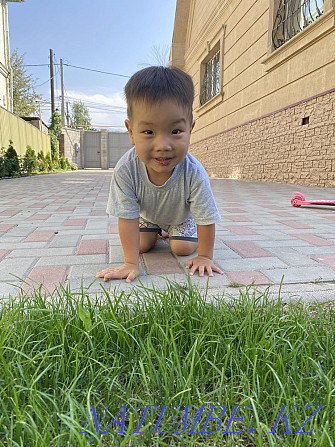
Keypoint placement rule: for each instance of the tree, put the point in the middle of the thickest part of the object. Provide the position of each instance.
(80, 116)
(24, 95)
(55, 129)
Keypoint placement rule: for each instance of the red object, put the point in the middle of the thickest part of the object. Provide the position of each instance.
(298, 199)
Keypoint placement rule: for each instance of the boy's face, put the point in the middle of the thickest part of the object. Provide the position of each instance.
(161, 134)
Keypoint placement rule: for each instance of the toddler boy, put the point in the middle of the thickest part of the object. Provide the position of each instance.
(158, 185)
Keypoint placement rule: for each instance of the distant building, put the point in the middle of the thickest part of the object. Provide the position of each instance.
(12, 128)
(264, 76)
(5, 72)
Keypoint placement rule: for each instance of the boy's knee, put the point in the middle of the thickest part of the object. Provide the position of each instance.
(183, 248)
(147, 241)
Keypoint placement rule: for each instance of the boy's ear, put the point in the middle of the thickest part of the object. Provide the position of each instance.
(127, 124)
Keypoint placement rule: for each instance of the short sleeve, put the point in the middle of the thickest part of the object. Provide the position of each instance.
(122, 200)
(202, 202)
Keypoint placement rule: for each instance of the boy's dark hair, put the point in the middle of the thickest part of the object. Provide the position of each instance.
(155, 84)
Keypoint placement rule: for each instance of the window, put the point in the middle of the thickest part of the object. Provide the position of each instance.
(210, 85)
(292, 17)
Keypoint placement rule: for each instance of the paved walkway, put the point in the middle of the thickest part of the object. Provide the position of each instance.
(54, 229)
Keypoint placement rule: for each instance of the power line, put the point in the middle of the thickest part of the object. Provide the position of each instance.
(80, 68)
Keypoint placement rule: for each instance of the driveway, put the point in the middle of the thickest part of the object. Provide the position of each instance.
(54, 230)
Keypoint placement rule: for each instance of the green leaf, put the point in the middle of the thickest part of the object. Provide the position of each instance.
(85, 317)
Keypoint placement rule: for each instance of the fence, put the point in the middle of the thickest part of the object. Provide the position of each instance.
(22, 134)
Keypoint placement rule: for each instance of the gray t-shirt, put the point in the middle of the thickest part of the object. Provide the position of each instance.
(187, 192)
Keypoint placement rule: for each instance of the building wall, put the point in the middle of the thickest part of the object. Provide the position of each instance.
(4, 51)
(22, 134)
(256, 80)
(292, 152)
(70, 146)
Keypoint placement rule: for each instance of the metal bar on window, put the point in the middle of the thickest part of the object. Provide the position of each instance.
(211, 81)
(292, 17)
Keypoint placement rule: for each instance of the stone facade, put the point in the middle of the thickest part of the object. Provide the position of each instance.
(292, 145)
(70, 146)
(254, 116)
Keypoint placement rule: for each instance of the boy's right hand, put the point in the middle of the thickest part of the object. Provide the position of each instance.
(128, 271)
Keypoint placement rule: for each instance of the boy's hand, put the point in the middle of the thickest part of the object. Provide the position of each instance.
(128, 271)
(202, 263)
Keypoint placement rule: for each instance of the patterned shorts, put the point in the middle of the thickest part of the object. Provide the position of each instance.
(186, 231)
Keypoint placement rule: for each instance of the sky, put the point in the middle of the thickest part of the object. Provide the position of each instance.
(114, 36)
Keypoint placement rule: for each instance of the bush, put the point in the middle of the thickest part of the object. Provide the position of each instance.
(48, 162)
(30, 164)
(41, 163)
(56, 163)
(3, 171)
(12, 163)
(73, 166)
(68, 164)
(62, 162)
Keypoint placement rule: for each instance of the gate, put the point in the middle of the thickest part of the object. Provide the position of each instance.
(118, 144)
(92, 149)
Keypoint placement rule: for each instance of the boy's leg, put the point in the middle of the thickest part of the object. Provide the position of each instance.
(148, 234)
(147, 240)
(183, 238)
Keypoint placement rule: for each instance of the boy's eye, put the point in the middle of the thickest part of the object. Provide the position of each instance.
(176, 131)
(148, 132)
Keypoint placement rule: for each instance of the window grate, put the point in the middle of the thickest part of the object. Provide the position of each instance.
(211, 80)
(292, 17)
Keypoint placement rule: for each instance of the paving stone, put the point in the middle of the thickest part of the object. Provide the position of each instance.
(161, 263)
(42, 252)
(230, 265)
(248, 277)
(312, 239)
(116, 254)
(3, 254)
(39, 217)
(94, 224)
(305, 274)
(48, 277)
(241, 230)
(18, 245)
(89, 247)
(64, 240)
(247, 249)
(71, 260)
(295, 224)
(237, 218)
(5, 227)
(291, 256)
(8, 213)
(8, 289)
(40, 236)
(114, 228)
(75, 222)
(98, 213)
(325, 259)
(14, 269)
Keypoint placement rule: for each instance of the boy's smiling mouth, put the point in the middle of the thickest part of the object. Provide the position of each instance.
(163, 161)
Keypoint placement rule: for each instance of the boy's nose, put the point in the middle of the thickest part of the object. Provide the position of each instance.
(163, 143)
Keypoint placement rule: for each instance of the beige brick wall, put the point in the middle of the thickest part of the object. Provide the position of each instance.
(69, 140)
(277, 147)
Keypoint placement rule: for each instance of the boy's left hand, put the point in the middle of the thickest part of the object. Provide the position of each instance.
(201, 263)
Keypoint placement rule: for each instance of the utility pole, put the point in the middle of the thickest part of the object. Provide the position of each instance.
(52, 83)
(67, 114)
(62, 90)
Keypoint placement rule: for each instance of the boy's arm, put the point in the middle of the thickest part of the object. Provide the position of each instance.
(206, 238)
(130, 239)
(204, 260)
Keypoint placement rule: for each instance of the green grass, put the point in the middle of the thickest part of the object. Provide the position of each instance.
(173, 347)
